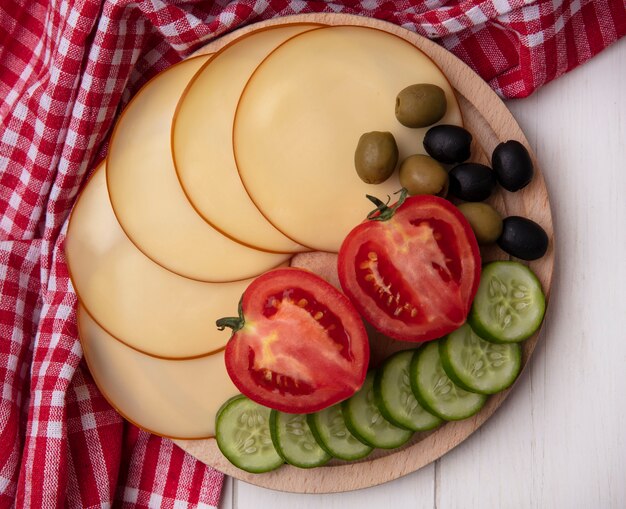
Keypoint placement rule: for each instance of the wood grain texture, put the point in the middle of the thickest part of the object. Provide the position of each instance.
(490, 122)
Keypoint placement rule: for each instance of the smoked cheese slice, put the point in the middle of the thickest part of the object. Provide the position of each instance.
(202, 140)
(148, 307)
(173, 398)
(300, 118)
(147, 197)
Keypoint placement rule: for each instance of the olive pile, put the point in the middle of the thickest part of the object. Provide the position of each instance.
(376, 154)
(422, 105)
(474, 182)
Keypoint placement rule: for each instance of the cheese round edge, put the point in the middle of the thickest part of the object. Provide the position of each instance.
(301, 115)
(152, 309)
(147, 198)
(202, 140)
(172, 398)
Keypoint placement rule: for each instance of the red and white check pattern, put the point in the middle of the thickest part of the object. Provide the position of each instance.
(65, 70)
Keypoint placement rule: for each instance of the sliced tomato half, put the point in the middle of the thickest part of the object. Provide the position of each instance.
(298, 344)
(412, 269)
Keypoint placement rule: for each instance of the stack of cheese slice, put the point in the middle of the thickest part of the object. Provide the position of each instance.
(223, 167)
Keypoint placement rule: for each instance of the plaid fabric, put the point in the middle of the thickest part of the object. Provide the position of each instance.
(66, 68)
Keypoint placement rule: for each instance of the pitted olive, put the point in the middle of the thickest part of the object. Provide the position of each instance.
(513, 165)
(448, 143)
(376, 156)
(472, 181)
(421, 174)
(523, 238)
(421, 105)
(484, 220)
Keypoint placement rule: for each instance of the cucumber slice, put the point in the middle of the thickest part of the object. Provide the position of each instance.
(243, 435)
(477, 365)
(509, 305)
(331, 433)
(436, 392)
(394, 397)
(294, 441)
(366, 423)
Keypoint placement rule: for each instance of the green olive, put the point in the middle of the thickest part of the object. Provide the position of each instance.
(376, 157)
(420, 174)
(420, 105)
(484, 220)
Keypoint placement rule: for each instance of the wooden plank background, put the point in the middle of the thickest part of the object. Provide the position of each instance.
(559, 440)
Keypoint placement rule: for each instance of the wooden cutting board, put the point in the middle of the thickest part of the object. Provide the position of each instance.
(490, 122)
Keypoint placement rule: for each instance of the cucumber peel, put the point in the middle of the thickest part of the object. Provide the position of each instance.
(394, 397)
(330, 431)
(509, 305)
(294, 440)
(477, 365)
(436, 392)
(243, 435)
(367, 424)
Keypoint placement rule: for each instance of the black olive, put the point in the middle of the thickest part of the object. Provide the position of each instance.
(523, 238)
(448, 143)
(472, 181)
(513, 165)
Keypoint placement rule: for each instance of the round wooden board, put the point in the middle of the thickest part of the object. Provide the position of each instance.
(486, 116)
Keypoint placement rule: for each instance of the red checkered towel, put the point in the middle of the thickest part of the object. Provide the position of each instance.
(66, 68)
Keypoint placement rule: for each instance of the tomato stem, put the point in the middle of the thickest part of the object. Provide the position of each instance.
(383, 212)
(233, 322)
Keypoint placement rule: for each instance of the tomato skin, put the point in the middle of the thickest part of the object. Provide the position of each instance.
(412, 276)
(302, 345)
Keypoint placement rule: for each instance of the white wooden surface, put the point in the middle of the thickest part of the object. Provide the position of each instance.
(559, 441)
